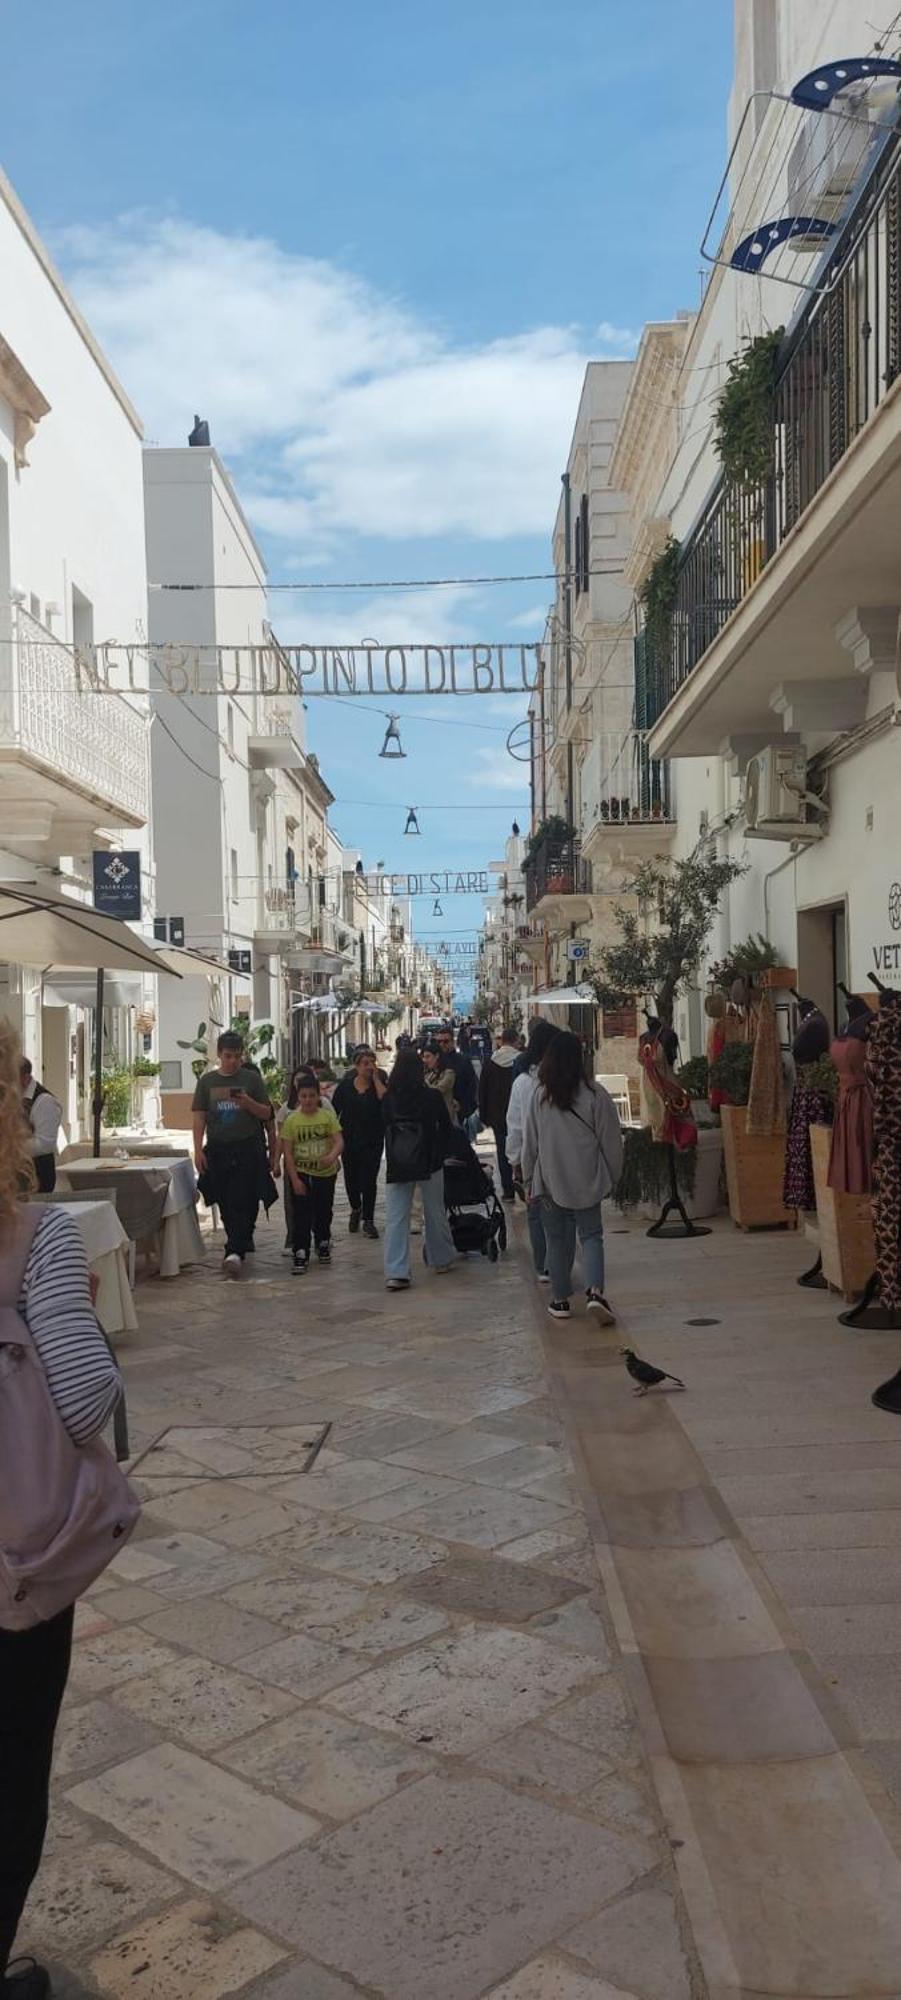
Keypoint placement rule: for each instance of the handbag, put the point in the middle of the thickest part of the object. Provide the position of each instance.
(65, 1510)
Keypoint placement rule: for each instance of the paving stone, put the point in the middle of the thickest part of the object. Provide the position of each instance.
(389, 1625)
(547, 1543)
(87, 1891)
(136, 1565)
(750, 1710)
(459, 1692)
(289, 1545)
(206, 1824)
(836, 1576)
(537, 1868)
(869, 1689)
(695, 1603)
(307, 1667)
(551, 1978)
(304, 1981)
(378, 1437)
(636, 1944)
(95, 1734)
(309, 1603)
(485, 1517)
(119, 1655)
(89, 1620)
(332, 1766)
(194, 1952)
(374, 1555)
(455, 1451)
(207, 1579)
(545, 1761)
(127, 1606)
(219, 1631)
(492, 1587)
(601, 1721)
(619, 1800)
(574, 1624)
(203, 1703)
(417, 1491)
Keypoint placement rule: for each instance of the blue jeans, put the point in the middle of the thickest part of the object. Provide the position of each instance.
(561, 1227)
(439, 1243)
(537, 1238)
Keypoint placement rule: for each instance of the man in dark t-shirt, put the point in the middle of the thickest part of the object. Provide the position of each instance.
(230, 1107)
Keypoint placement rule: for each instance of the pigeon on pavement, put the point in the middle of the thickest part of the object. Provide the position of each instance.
(645, 1374)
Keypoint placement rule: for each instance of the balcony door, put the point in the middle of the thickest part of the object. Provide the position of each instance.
(823, 958)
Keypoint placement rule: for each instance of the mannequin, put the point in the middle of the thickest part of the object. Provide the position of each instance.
(881, 1303)
(809, 1106)
(851, 1155)
(667, 1110)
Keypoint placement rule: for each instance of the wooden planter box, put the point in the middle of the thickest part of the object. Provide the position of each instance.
(755, 1168)
(779, 978)
(845, 1224)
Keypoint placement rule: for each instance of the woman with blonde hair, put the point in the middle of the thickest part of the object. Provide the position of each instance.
(43, 1283)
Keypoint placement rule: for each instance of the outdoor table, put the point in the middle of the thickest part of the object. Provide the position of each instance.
(179, 1231)
(106, 1248)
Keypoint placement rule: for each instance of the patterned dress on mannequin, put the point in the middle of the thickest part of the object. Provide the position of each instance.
(884, 1076)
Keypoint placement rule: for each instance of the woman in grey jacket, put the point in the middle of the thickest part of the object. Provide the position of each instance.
(572, 1156)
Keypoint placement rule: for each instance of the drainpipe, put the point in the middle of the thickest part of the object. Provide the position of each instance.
(568, 658)
(789, 862)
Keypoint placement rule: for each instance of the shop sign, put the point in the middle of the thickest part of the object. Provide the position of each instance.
(887, 956)
(276, 671)
(117, 885)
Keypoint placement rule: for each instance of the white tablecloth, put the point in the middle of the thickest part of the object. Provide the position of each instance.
(180, 1238)
(106, 1249)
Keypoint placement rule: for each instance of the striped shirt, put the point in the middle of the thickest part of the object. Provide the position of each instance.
(55, 1303)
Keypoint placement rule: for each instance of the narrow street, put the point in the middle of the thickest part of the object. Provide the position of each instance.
(526, 1687)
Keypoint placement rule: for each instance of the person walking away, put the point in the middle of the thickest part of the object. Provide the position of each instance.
(230, 1106)
(417, 1140)
(572, 1156)
(466, 1089)
(358, 1104)
(311, 1148)
(45, 1298)
(441, 1075)
(525, 1076)
(495, 1085)
(43, 1117)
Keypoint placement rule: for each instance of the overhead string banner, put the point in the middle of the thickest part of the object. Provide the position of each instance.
(308, 671)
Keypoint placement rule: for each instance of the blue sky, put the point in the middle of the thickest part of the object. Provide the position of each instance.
(375, 247)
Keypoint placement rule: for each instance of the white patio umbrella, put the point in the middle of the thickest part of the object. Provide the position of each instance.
(48, 931)
(565, 996)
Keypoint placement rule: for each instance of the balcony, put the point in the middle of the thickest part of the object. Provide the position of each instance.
(275, 748)
(558, 883)
(72, 761)
(787, 590)
(626, 800)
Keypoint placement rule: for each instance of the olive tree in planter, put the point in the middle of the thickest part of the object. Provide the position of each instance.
(755, 1161)
(662, 940)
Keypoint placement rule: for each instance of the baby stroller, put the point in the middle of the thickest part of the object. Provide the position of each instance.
(477, 1220)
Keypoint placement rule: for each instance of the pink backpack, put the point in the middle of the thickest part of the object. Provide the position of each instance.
(65, 1510)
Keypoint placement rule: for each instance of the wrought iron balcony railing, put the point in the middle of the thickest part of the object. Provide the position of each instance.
(622, 783)
(837, 366)
(97, 744)
(556, 869)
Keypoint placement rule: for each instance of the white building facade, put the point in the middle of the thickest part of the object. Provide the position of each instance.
(777, 694)
(74, 765)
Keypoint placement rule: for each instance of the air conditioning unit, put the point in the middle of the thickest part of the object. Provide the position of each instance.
(777, 803)
(823, 169)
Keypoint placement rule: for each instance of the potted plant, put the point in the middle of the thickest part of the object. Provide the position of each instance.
(605, 809)
(614, 809)
(745, 412)
(755, 1162)
(662, 939)
(145, 1093)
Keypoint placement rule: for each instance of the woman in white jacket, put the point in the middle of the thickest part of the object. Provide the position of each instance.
(572, 1156)
(541, 1034)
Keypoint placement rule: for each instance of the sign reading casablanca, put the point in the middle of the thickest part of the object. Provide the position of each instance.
(366, 669)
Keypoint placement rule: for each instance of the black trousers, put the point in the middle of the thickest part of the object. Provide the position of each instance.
(45, 1172)
(312, 1212)
(236, 1173)
(503, 1165)
(361, 1174)
(34, 1668)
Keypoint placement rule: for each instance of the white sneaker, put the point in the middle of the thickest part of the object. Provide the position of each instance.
(597, 1305)
(232, 1265)
(544, 1277)
(397, 1284)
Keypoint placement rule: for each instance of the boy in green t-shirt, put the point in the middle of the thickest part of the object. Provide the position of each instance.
(311, 1147)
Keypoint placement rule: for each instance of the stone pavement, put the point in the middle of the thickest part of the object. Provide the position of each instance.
(362, 1728)
(528, 1687)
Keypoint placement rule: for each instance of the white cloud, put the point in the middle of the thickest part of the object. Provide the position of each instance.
(621, 340)
(495, 770)
(345, 410)
(531, 621)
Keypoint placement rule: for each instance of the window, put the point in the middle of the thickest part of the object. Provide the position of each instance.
(582, 547)
(34, 606)
(621, 1023)
(234, 873)
(230, 728)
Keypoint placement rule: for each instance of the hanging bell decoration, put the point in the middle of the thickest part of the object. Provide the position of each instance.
(392, 737)
(412, 825)
(436, 909)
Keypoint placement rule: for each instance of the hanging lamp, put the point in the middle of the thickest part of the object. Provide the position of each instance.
(412, 825)
(392, 737)
(436, 909)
